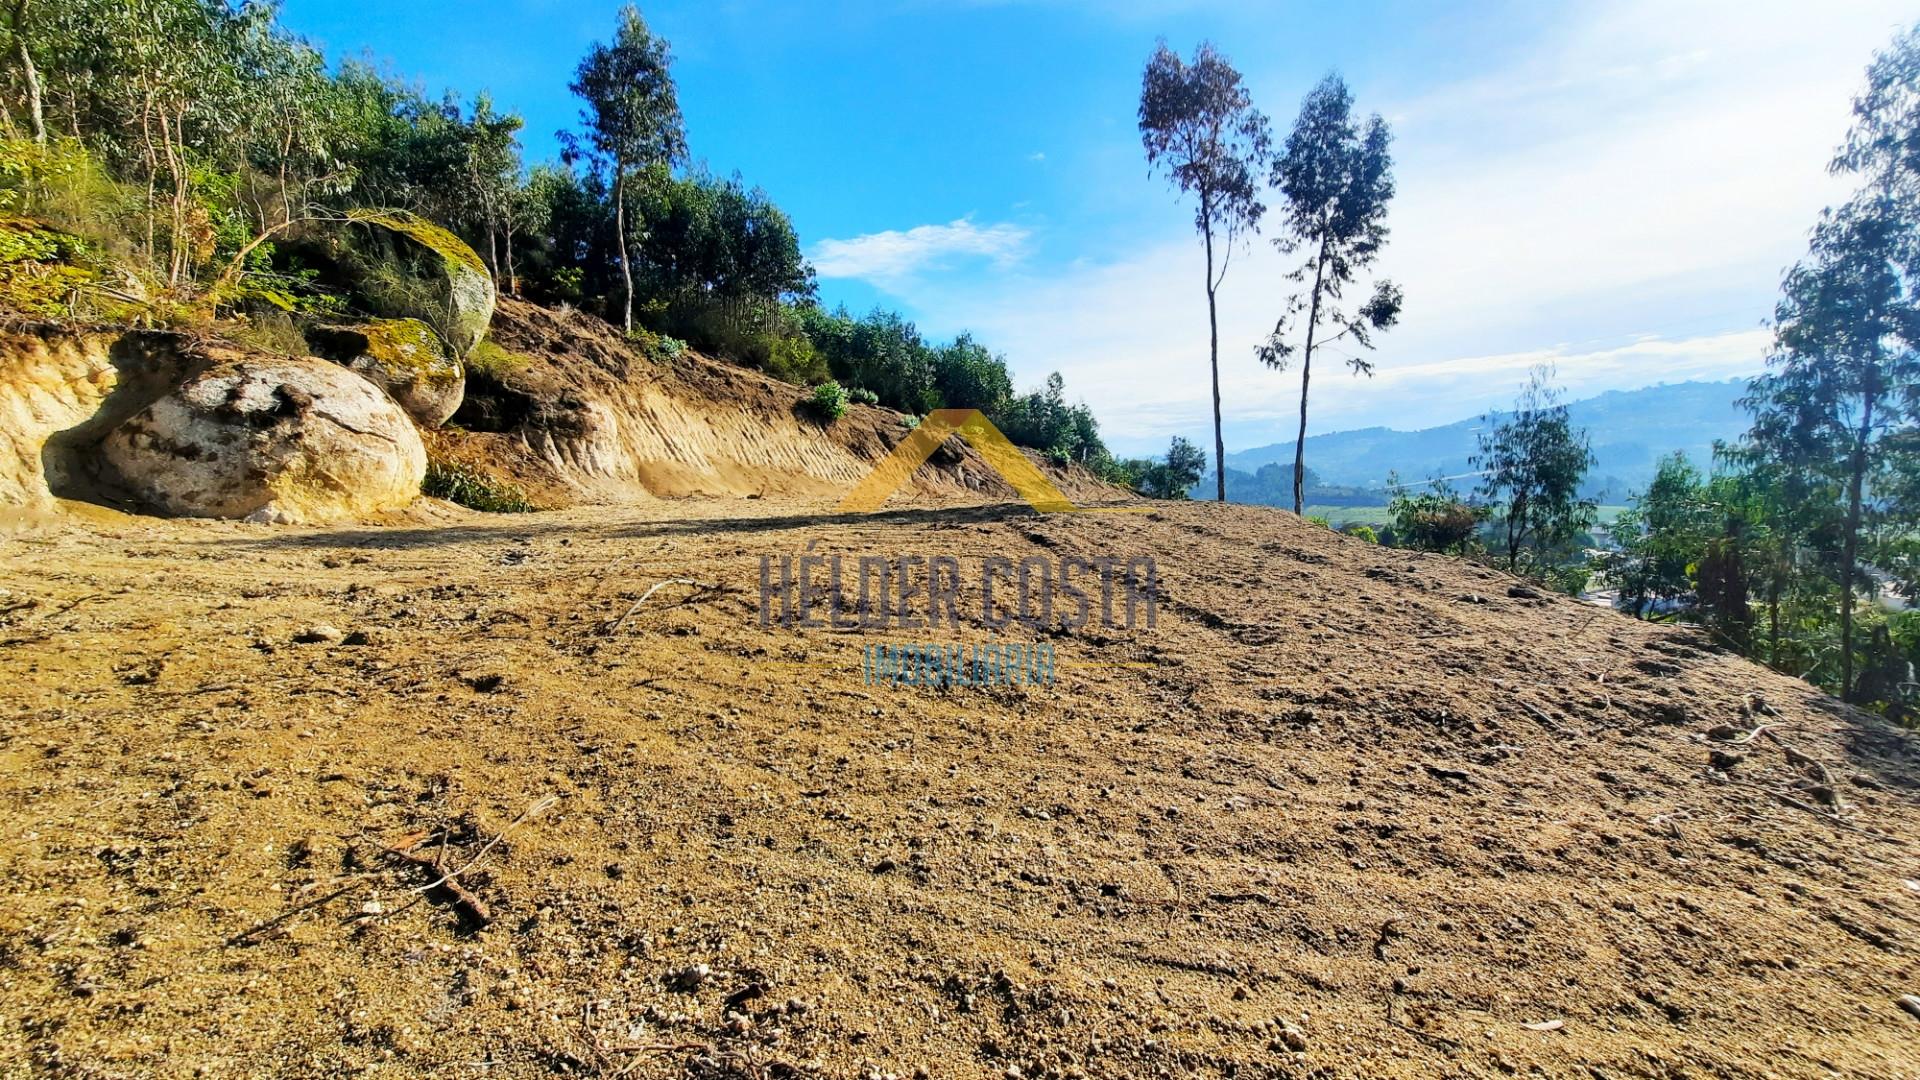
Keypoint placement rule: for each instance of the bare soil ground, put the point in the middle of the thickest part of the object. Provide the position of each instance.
(1345, 812)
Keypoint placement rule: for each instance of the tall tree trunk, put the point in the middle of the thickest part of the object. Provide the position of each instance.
(513, 276)
(1213, 355)
(1306, 376)
(620, 228)
(493, 252)
(1773, 618)
(36, 116)
(1850, 549)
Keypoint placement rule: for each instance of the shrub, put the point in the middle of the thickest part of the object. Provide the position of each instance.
(863, 396)
(1571, 580)
(670, 348)
(473, 489)
(829, 401)
(63, 183)
(794, 359)
(1362, 532)
(1435, 520)
(1321, 520)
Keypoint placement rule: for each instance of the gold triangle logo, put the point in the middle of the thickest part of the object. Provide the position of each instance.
(893, 471)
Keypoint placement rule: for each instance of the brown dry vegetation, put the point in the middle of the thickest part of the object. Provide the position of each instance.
(1360, 801)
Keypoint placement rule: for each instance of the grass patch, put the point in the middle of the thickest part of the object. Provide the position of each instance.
(473, 489)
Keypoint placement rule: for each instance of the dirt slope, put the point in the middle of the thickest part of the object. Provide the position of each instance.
(588, 417)
(1360, 802)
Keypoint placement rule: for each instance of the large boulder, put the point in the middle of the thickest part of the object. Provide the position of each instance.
(405, 358)
(458, 296)
(273, 439)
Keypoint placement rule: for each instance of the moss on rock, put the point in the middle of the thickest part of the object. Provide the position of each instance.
(409, 346)
(404, 357)
(465, 300)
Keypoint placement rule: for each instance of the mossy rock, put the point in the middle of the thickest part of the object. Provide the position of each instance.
(41, 268)
(463, 300)
(405, 358)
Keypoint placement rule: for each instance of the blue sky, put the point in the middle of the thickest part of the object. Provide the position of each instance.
(1613, 187)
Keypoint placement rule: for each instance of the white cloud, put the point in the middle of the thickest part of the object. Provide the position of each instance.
(1621, 201)
(886, 258)
(1037, 156)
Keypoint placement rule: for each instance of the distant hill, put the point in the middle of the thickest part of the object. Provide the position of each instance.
(1631, 430)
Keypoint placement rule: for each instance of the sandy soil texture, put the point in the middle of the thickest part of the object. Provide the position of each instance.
(1344, 811)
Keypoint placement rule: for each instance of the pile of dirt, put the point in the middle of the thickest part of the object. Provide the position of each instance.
(1344, 811)
(575, 413)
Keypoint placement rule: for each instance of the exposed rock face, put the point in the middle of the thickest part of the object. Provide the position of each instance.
(275, 439)
(405, 358)
(460, 303)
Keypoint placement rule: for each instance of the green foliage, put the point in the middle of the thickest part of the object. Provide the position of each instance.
(1042, 419)
(1337, 178)
(60, 182)
(1172, 477)
(1434, 519)
(1533, 462)
(471, 488)
(1659, 539)
(828, 401)
(1320, 520)
(43, 272)
(720, 238)
(758, 332)
(882, 352)
(863, 396)
(1837, 416)
(1362, 532)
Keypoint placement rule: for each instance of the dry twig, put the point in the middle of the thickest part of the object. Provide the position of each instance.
(703, 586)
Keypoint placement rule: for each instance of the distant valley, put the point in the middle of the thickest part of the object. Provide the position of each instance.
(1631, 431)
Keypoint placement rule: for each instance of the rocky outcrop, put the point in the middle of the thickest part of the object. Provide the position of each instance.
(273, 439)
(405, 358)
(459, 299)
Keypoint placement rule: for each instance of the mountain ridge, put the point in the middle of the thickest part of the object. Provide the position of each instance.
(1631, 431)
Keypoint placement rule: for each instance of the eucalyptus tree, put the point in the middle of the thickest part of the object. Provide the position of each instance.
(1198, 124)
(1840, 394)
(1840, 404)
(1337, 176)
(20, 26)
(1533, 461)
(632, 118)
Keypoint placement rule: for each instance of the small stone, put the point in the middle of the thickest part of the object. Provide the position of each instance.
(317, 634)
(690, 978)
(1292, 1037)
(1725, 760)
(1911, 1003)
